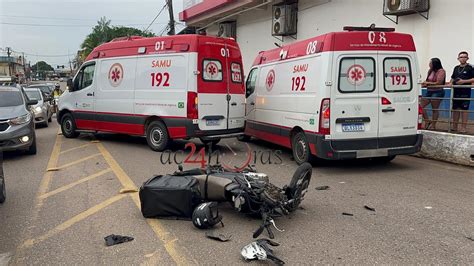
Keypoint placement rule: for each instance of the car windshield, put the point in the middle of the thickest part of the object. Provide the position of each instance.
(44, 89)
(33, 95)
(10, 98)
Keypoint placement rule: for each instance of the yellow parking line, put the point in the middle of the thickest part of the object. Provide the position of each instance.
(69, 186)
(30, 242)
(78, 161)
(76, 148)
(179, 254)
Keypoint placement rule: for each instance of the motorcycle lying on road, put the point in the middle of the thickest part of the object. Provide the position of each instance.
(252, 193)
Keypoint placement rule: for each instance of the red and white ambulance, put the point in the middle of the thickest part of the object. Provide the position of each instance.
(163, 88)
(342, 95)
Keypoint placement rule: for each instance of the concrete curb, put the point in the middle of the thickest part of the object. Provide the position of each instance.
(453, 148)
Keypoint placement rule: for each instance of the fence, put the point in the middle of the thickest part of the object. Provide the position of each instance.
(445, 109)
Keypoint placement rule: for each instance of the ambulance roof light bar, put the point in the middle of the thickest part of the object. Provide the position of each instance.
(370, 28)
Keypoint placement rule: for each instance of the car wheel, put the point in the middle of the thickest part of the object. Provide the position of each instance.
(3, 190)
(300, 148)
(157, 136)
(32, 149)
(68, 126)
(213, 142)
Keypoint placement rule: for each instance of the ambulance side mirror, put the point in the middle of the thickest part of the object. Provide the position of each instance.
(70, 85)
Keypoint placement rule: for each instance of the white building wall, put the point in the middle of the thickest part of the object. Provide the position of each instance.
(448, 30)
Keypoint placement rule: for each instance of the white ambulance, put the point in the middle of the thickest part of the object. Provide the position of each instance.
(163, 88)
(342, 95)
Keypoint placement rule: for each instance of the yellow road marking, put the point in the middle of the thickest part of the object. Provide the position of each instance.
(30, 242)
(78, 161)
(69, 186)
(76, 148)
(179, 254)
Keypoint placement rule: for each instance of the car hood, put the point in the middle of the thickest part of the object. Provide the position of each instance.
(12, 112)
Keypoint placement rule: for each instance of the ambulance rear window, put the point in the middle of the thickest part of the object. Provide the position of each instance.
(397, 74)
(211, 70)
(357, 75)
(236, 71)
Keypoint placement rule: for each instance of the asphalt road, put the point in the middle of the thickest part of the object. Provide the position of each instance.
(423, 209)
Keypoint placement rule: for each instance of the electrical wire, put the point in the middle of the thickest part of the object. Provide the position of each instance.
(159, 13)
(64, 26)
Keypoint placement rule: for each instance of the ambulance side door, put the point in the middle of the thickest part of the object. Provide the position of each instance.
(250, 94)
(83, 93)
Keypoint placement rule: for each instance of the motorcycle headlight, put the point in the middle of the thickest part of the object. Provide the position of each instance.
(21, 120)
(38, 109)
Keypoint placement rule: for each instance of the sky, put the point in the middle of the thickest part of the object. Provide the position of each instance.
(58, 27)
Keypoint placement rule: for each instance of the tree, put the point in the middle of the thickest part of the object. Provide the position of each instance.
(41, 66)
(103, 32)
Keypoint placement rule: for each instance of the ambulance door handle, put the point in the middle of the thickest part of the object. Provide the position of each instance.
(90, 94)
(252, 103)
(388, 110)
(233, 104)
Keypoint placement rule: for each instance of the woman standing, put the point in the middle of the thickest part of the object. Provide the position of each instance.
(436, 76)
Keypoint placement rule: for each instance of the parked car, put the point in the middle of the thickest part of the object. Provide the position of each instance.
(43, 109)
(45, 88)
(17, 127)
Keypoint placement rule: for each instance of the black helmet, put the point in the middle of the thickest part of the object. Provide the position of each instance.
(206, 215)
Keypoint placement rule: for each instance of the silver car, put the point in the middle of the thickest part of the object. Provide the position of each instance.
(42, 109)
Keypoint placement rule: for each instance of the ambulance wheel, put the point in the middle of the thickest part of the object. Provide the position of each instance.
(213, 142)
(157, 136)
(300, 148)
(68, 126)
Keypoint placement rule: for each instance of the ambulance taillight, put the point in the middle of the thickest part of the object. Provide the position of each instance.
(420, 116)
(192, 107)
(324, 117)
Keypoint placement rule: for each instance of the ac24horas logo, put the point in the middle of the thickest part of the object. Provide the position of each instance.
(231, 156)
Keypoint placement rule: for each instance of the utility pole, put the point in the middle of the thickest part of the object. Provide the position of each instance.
(169, 3)
(9, 63)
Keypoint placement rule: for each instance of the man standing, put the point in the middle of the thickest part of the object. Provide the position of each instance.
(463, 74)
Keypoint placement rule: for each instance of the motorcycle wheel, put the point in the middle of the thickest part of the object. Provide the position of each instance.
(299, 185)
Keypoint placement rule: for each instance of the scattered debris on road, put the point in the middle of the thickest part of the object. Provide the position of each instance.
(111, 240)
(322, 188)
(219, 237)
(260, 250)
(128, 190)
(369, 208)
(347, 214)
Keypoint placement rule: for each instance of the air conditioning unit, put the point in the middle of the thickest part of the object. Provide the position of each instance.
(284, 19)
(405, 7)
(228, 29)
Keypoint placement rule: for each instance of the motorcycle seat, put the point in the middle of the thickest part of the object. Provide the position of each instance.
(215, 187)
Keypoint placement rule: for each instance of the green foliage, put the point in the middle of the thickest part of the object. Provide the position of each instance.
(41, 66)
(103, 32)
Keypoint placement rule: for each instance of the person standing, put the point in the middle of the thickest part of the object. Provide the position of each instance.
(463, 74)
(436, 76)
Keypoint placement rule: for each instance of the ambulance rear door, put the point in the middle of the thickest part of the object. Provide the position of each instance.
(354, 104)
(213, 90)
(398, 111)
(236, 88)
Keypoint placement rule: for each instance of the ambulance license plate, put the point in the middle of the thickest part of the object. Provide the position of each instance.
(356, 127)
(212, 122)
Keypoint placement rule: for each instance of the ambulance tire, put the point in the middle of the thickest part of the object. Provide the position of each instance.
(300, 148)
(68, 126)
(157, 136)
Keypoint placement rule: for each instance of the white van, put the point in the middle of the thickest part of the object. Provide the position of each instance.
(164, 88)
(342, 95)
